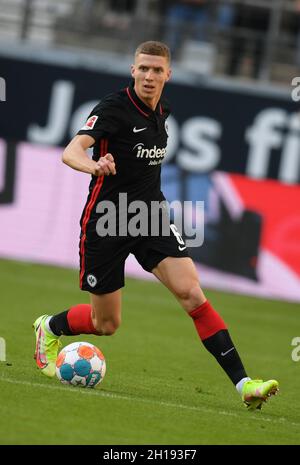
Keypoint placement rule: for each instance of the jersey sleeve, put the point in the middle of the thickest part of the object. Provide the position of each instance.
(103, 121)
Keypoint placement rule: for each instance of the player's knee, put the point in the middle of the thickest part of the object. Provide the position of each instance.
(196, 296)
(108, 327)
(191, 295)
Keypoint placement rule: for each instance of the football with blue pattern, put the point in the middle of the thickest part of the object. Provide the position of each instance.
(81, 364)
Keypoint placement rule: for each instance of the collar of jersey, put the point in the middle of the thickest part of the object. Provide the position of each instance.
(139, 104)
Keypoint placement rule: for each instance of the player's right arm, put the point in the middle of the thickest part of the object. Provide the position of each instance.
(76, 157)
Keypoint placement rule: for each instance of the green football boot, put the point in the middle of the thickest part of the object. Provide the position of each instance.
(47, 347)
(256, 391)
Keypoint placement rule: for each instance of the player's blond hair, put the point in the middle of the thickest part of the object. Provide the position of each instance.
(152, 47)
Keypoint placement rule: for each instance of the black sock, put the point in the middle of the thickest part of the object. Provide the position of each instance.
(59, 324)
(222, 348)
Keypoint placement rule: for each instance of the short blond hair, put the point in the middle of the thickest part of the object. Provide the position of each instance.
(152, 47)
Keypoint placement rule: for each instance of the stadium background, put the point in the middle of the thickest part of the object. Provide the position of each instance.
(234, 139)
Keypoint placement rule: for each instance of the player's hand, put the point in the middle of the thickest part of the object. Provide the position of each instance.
(105, 166)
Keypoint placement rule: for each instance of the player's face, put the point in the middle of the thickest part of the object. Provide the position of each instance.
(150, 72)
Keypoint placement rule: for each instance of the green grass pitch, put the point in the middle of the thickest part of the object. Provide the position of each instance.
(161, 386)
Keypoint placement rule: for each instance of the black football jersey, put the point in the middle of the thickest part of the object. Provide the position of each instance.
(136, 136)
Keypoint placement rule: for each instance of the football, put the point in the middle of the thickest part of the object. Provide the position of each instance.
(81, 364)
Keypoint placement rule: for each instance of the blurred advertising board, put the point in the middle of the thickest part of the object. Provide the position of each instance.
(237, 150)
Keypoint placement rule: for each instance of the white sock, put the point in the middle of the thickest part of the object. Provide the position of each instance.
(240, 384)
(48, 327)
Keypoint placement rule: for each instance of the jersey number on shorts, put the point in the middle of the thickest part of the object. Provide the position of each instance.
(177, 235)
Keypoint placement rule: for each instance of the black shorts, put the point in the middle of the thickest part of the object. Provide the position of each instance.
(102, 259)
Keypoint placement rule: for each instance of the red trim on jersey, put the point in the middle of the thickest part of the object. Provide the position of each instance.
(89, 208)
(128, 93)
(160, 109)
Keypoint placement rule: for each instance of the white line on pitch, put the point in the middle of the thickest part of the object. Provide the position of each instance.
(101, 393)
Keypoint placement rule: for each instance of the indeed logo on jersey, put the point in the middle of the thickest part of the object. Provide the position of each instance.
(155, 154)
